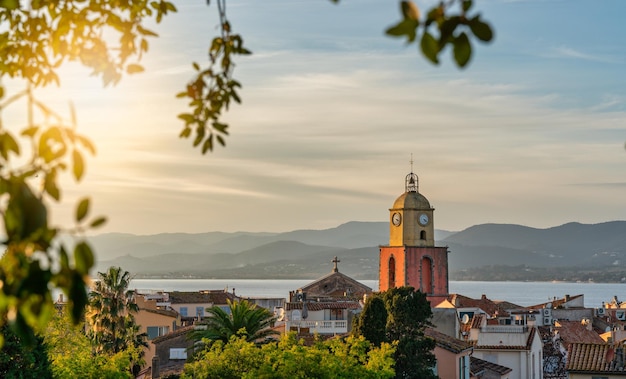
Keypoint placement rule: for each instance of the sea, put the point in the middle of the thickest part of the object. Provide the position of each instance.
(520, 293)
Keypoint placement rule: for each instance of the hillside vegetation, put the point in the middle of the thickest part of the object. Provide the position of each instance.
(571, 251)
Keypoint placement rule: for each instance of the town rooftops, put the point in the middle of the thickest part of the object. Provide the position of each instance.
(510, 344)
(201, 297)
(576, 332)
(315, 306)
(175, 333)
(446, 342)
(490, 307)
(334, 285)
(478, 366)
(592, 358)
(568, 301)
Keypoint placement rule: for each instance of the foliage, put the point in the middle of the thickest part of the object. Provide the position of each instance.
(453, 29)
(18, 359)
(109, 38)
(213, 88)
(372, 322)
(37, 37)
(244, 319)
(406, 313)
(110, 313)
(353, 357)
(72, 354)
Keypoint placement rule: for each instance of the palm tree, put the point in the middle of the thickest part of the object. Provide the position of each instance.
(112, 326)
(245, 319)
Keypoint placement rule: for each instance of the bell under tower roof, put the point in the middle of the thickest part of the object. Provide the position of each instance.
(411, 183)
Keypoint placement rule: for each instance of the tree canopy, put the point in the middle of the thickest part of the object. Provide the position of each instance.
(400, 316)
(243, 319)
(353, 357)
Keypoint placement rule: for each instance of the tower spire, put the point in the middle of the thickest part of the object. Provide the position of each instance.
(411, 180)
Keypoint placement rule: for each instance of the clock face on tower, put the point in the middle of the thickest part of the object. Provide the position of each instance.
(396, 219)
(423, 219)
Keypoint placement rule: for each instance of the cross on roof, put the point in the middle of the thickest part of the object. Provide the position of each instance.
(335, 261)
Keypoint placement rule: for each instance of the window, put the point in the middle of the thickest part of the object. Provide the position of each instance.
(464, 367)
(157, 331)
(199, 311)
(423, 235)
(178, 353)
(183, 311)
(392, 272)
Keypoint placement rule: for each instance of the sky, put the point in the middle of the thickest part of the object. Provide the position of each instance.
(532, 132)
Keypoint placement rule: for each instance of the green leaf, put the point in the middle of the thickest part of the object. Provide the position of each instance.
(462, 50)
(50, 185)
(82, 209)
(134, 68)
(196, 66)
(146, 32)
(10, 4)
(208, 144)
(30, 132)
(467, 4)
(98, 222)
(77, 295)
(430, 47)
(78, 165)
(481, 30)
(83, 258)
(185, 133)
(406, 27)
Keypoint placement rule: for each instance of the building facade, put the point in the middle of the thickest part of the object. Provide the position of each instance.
(411, 258)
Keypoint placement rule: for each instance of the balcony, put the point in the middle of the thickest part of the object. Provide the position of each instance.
(321, 327)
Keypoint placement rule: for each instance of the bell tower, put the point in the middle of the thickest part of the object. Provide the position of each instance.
(411, 258)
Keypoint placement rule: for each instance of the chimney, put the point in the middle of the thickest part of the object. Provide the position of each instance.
(155, 367)
(483, 297)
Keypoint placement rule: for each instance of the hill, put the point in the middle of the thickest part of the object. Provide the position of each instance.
(307, 253)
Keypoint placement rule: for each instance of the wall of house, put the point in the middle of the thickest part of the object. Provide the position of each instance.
(572, 314)
(448, 363)
(145, 319)
(162, 349)
(191, 308)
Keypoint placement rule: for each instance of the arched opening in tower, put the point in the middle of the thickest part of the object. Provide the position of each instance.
(427, 275)
(392, 272)
(423, 235)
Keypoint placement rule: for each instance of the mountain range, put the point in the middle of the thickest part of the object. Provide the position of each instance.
(308, 253)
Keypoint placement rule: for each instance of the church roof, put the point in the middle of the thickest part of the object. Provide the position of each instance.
(335, 285)
(411, 200)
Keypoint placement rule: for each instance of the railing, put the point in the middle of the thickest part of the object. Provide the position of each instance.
(321, 327)
(504, 329)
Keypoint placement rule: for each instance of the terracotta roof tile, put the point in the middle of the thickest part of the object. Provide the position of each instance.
(314, 306)
(595, 358)
(529, 341)
(446, 342)
(490, 307)
(555, 303)
(575, 332)
(201, 297)
(175, 333)
(478, 365)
